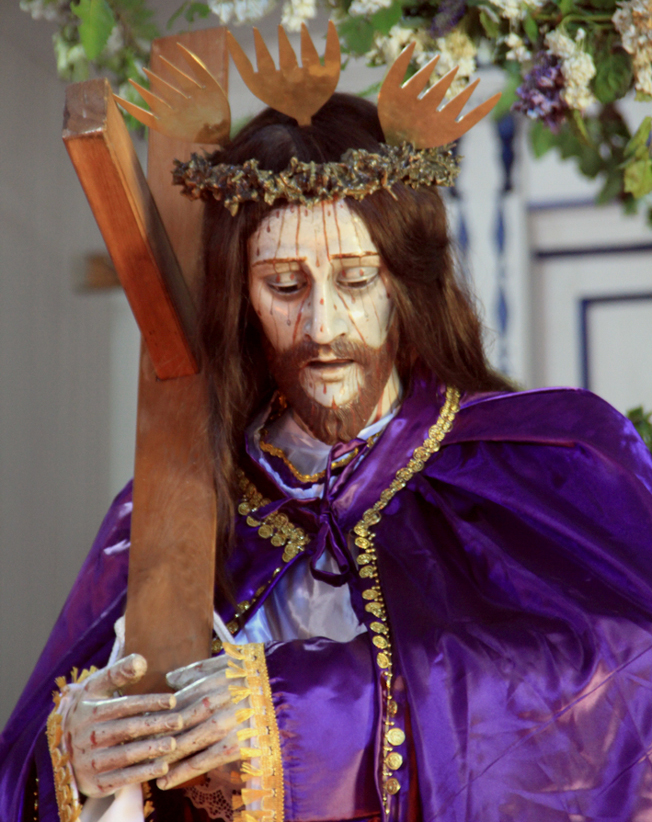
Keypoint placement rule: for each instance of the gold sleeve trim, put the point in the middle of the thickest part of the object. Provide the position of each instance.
(247, 663)
(67, 800)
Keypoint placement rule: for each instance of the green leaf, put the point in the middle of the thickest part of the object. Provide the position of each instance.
(638, 177)
(531, 29)
(613, 75)
(566, 6)
(371, 90)
(541, 139)
(642, 97)
(176, 15)
(638, 145)
(357, 34)
(642, 423)
(491, 27)
(199, 10)
(97, 22)
(384, 19)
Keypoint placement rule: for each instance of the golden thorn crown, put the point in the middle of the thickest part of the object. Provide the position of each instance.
(417, 133)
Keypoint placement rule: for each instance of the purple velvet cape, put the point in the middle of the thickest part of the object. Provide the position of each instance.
(517, 573)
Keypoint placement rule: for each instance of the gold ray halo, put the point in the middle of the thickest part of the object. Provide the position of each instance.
(406, 117)
(298, 91)
(194, 110)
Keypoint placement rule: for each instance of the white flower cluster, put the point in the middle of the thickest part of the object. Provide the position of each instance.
(364, 8)
(577, 68)
(241, 11)
(53, 11)
(515, 10)
(296, 12)
(633, 20)
(517, 50)
(455, 49)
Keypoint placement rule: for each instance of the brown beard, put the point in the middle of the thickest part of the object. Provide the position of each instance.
(336, 423)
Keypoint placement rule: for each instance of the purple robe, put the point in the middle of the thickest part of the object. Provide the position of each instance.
(517, 574)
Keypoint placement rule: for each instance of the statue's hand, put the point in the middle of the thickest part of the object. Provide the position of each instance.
(209, 736)
(117, 740)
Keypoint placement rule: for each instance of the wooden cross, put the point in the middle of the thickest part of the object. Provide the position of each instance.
(154, 238)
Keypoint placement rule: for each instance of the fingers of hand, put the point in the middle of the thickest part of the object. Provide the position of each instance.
(222, 752)
(123, 706)
(123, 672)
(110, 782)
(120, 757)
(182, 677)
(211, 730)
(118, 731)
(205, 707)
(209, 686)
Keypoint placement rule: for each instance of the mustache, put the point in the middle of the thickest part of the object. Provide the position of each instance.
(342, 349)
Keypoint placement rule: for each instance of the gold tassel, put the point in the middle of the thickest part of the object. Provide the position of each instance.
(248, 768)
(234, 651)
(238, 694)
(250, 795)
(250, 753)
(243, 715)
(247, 733)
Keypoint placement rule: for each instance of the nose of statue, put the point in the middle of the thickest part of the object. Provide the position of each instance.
(324, 321)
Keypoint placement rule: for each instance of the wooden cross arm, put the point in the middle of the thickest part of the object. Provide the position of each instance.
(105, 160)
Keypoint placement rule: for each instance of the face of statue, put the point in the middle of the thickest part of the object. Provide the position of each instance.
(321, 293)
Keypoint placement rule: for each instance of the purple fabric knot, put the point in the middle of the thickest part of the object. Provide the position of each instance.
(329, 535)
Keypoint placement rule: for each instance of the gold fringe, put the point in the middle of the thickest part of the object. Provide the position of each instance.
(69, 807)
(265, 729)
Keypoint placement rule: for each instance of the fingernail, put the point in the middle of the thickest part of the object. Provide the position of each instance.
(175, 724)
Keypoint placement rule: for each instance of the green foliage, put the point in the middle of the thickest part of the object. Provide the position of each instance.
(357, 35)
(643, 423)
(190, 11)
(97, 22)
(614, 74)
(638, 166)
(385, 19)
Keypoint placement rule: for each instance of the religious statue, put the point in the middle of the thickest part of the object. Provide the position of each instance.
(434, 592)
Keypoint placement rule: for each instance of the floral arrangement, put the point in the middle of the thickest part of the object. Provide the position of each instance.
(567, 63)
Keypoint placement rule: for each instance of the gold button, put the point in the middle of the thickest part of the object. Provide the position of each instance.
(365, 559)
(374, 608)
(370, 517)
(395, 736)
(392, 707)
(360, 530)
(382, 660)
(362, 542)
(265, 531)
(394, 761)
(244, 508)
(370, 593)
(380, 642)
(367, 571)
(378, 628)
(252, 522)
(392, 785)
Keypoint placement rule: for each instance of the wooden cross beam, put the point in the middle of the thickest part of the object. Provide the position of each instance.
(153, 236)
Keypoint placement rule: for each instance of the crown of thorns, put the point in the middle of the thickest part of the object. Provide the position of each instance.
(417, 134)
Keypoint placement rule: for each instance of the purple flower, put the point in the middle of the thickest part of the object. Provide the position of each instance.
(449, 14)
(540, 93)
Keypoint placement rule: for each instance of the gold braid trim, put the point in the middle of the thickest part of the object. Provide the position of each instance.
(67, 802)
(393, 735)
(256, 687)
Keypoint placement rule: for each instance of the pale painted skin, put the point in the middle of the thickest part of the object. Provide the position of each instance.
(119, 740)
(314, 273)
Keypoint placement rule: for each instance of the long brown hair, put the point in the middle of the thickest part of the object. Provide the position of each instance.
(439, 327)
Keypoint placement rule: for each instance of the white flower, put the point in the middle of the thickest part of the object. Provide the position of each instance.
(364, 8)
(514, 10)
(577, 68)
(52, 11)
(296, 12)
(633, 20)
(242, 11)
(455, 49)
(517, 49)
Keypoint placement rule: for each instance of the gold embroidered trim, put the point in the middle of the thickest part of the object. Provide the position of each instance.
(393, 736)
(259, 723)
(68, 803)
(336, 465)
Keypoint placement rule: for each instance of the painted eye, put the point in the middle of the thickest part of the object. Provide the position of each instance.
(286, 283)
(359, 276)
